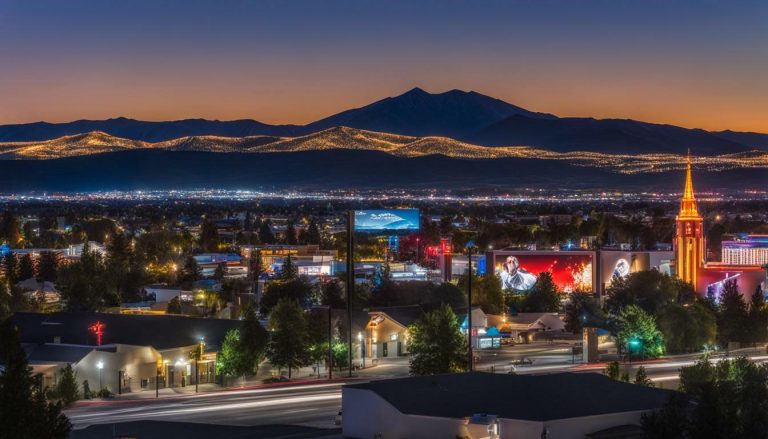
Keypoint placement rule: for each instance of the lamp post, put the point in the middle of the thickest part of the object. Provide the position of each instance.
(100, 365)
(470, 357)
(633, 343)
(362, 347)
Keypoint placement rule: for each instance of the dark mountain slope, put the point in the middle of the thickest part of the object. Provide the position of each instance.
(607, 135)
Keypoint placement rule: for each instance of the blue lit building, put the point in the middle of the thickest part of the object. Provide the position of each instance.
(745, 250)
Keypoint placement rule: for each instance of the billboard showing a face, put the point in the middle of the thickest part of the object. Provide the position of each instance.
(387, 220)
(519, 271)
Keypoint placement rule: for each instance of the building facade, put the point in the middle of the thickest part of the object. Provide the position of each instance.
(746, 250)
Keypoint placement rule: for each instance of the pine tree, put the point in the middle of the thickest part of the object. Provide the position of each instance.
(209, 236)
(10, 266)
(733, 316)
(47, 267)
(26, 268)
(191, 272)
(437, 344)
(544, 296)
(758, 317)
(313, 233)
(265, 233)
(290, 234)
(9, 229)
(642, 379)
(220, 271)
(288, 346)
(24, 412)
(289, 271)
(67, 388)
(253, 341)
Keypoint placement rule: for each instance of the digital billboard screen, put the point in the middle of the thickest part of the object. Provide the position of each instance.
(518, 271)
(406, 220)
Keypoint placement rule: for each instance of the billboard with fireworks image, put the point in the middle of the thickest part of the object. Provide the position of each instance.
(518, 271)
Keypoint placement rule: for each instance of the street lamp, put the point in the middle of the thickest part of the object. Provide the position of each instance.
(633, 343)
(362, 346)
(100, 365)
(470, 359)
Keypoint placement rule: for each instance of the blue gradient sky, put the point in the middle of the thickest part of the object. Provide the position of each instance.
(699, 63)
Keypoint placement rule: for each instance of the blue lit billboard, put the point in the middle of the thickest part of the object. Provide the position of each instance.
(387, 220)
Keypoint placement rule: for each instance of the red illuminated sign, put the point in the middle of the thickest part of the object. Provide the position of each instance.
(98, 329)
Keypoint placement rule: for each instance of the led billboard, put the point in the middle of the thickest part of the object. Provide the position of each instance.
(518, 271)
(406, 220)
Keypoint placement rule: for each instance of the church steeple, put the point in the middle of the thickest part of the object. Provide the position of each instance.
(690, 244)
(688, 206)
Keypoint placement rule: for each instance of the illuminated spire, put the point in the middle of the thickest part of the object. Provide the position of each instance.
(688, 207)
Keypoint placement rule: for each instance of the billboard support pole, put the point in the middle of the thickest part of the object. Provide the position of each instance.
(350, 281)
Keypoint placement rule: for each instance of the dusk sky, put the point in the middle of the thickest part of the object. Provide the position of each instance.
(697, 63)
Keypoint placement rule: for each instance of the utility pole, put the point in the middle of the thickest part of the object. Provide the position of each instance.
(470, 357)
(330, 348)
(350, 281)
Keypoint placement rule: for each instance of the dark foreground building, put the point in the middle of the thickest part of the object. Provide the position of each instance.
(555, 406)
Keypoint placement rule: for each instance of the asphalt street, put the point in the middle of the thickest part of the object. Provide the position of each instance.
(309, 405)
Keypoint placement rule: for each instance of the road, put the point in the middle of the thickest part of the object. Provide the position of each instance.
(310, 405)
(315, 404)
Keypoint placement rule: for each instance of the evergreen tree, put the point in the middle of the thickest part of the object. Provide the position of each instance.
(253, 341)
(288, 345)
(544, 296)
(11, 268)
(86, 390)
(613, 370)
(191, 272)
(290, 234)
(9, 229)
(724, 400)
(732, 320)
(437, 344)
(257, 264)
(265, 233)
(48, 266)
(24, 412)
(209, 237)
(26, 268)
(583, 309)
(758, 317)
(332, 294)
(288, 271)
(642, 379)
(220, 271)
(67, 388)
(298, 290)
(230, 359)
(313, 233)
(83, 284)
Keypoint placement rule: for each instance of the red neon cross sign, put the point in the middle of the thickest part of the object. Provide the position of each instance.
(98, 329)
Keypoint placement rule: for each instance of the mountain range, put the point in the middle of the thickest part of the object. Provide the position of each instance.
(466, 116)
(452, 139)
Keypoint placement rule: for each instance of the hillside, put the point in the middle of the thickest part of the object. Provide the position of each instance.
(462, 116)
